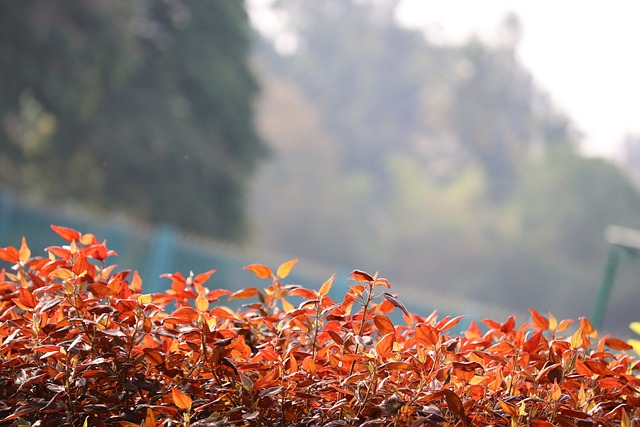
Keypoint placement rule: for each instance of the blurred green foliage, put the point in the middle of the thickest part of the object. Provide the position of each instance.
(139, 107)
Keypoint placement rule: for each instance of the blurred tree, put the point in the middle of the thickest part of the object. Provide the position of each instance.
(142, 107)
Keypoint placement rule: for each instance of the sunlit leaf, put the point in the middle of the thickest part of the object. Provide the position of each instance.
(427, 334)
(10, 254)
(203, 277)
(243, 293)
(383, 324)
(262, 271)
(25, 252)
(449, 324)
(540, 322)
(617, 344)
(556, 393)
(303, 293)
(181, 400)
(182, 315)
(201, 303)
(150, 419)
(101, 291)
(326, 286)
(361, 276)
(285, 268)
(26, 298)
(384, 347)
(67, 234)
(136, 282)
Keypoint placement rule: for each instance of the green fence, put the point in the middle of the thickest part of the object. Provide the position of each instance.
(154, 251)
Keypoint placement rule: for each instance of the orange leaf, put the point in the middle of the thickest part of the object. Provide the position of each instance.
(540, 322)
(556, 393)
(10, 254)
(617, 344)
(304, 293)
(262, 271)
(361, 276)
(202, 304)
(576, 339)
(102, 291)
(326, 286)
(449, 324)
(285, 268)
(136, 282)
(384, 347)
(182, 315)
(150, 419)
(24, 252)
(427, 334)
(508, 408)
(26, 298)
(203, 277)
(309, 365)
(181, 400)
(383, 324)
(67, 234)
(243, 293)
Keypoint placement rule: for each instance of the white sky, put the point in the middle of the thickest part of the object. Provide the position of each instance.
(585, 54)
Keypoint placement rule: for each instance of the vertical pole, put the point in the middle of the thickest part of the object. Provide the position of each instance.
(160, 258)
(6, 212)
(607, 283)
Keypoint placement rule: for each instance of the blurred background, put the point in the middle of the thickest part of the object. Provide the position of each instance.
(473, 153)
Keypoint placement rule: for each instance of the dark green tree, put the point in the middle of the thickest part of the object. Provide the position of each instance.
(140, 107)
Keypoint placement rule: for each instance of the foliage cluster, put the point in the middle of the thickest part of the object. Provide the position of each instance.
(82, 345)
(151, 102)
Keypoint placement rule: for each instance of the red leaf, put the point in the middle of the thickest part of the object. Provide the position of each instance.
(262, 271)
(67, 234)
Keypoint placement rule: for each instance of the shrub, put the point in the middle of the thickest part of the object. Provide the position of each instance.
(81, 345)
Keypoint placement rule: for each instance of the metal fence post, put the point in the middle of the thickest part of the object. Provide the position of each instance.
(160, 257)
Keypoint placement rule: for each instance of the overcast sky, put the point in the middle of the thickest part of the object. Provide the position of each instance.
(583, 53)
